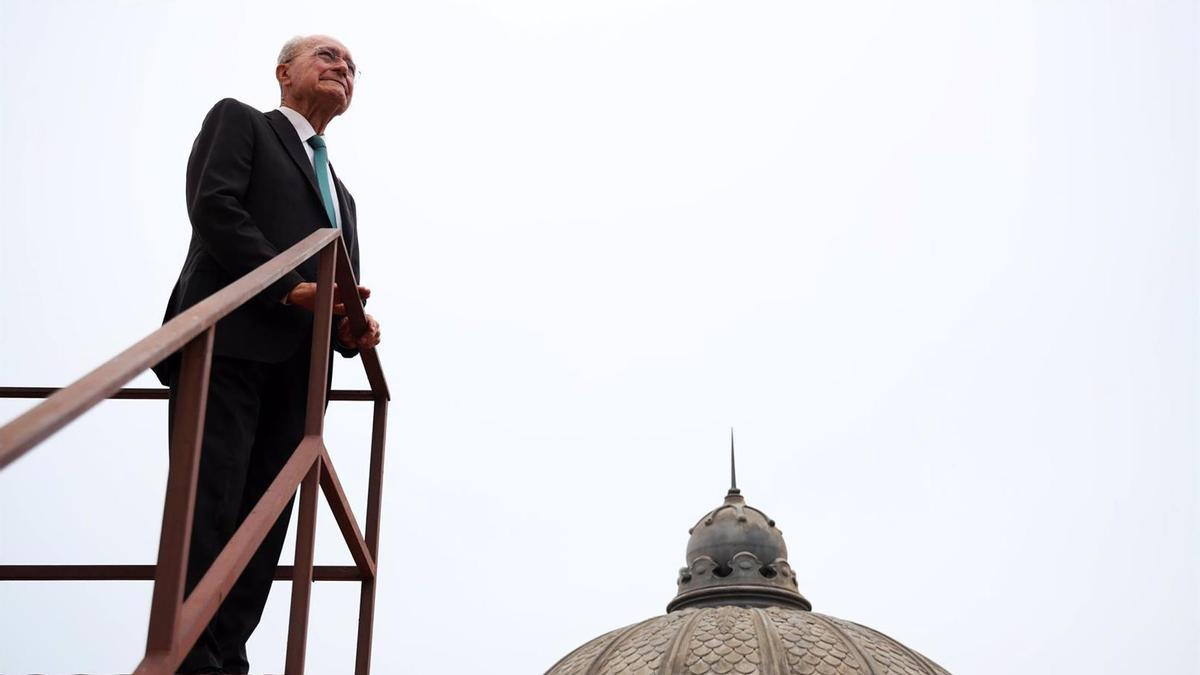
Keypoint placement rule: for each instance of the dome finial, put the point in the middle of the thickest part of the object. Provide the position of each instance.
(736, 556)
(733, 488)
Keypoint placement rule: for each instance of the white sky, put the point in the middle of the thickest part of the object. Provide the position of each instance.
(935, 261)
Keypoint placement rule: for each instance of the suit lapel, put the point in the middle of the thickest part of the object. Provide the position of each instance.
(292, 143)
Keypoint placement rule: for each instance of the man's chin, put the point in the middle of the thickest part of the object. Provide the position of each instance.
(334, 85)
(338, 101)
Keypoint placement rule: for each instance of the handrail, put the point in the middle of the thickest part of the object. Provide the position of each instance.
(162, 393)
(146, 573)
(31, 428)
(176, 621)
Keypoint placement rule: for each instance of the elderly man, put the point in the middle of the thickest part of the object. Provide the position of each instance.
(256, 184)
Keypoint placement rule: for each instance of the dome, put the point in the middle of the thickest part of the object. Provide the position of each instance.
(744, 641)
(738, 610)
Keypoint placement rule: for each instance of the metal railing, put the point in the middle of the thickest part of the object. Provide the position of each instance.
(176, 622)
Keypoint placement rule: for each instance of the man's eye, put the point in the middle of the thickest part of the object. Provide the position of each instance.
(326, 55)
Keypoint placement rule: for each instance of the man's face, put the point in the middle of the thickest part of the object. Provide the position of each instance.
(323, 71)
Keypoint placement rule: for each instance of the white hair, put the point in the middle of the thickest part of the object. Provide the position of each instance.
(292, 48)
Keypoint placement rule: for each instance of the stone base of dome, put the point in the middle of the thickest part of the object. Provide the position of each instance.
(741, 596)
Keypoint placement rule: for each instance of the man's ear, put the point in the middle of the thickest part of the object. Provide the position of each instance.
(282, 75)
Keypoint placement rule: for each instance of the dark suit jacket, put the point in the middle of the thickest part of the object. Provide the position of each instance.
(252, 193)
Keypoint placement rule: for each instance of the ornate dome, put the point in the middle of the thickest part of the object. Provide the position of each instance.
(745, 641)
(738, 610)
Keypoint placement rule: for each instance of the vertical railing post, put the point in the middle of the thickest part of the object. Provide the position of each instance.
(302, 572)
(366, 600)
(318, 365)
(175, 536)
(314, 425)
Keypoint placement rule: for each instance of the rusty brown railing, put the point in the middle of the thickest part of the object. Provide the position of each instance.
(176, 622)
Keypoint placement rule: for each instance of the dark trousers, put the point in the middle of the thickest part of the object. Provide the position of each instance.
(253, 423)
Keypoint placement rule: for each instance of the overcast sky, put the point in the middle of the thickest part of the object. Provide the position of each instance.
(935, 261)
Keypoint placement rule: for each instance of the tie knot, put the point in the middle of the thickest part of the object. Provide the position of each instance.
(317, 141)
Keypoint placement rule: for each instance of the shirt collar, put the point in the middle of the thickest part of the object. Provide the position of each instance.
(303, 129)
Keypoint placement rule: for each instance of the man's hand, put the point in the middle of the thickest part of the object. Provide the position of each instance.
(305, 295)
(365, 341)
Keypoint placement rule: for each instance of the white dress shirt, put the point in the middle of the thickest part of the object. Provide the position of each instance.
(305, 131)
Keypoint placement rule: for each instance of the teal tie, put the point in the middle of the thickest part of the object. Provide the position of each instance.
(321, 165)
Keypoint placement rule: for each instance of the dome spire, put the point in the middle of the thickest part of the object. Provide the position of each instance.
(733, 488)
